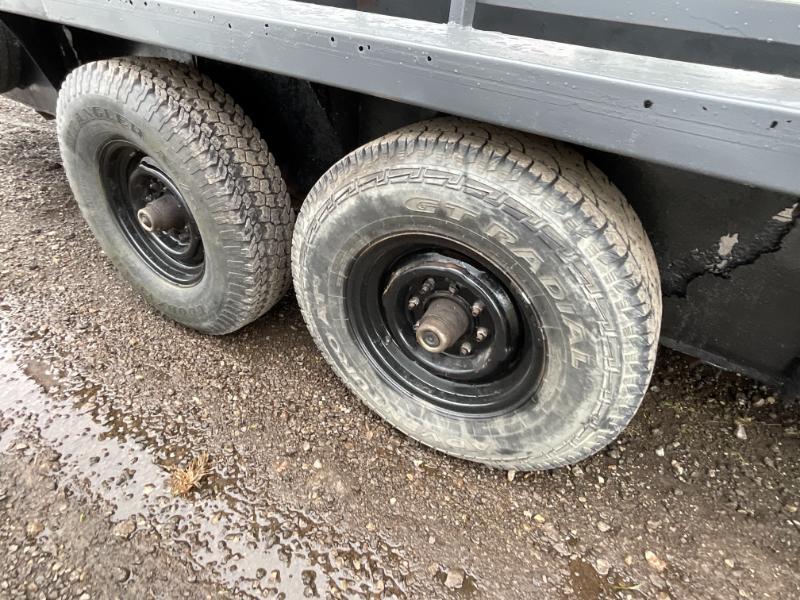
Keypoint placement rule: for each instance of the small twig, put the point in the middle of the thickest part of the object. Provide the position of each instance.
(185, 480)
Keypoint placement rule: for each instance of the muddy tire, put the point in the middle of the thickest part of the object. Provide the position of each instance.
(520, 231)
(179, 188)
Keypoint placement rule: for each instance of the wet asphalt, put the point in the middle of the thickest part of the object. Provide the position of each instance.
(311, 495)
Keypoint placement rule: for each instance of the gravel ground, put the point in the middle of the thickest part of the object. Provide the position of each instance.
(309, 494)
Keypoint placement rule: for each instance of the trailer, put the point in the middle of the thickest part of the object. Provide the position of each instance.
(491, 212)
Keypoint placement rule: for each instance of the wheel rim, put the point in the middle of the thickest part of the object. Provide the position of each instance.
(442, 323)
(151, 213)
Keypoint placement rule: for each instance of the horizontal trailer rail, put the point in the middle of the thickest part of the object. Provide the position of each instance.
(734, 124)
(765, 20)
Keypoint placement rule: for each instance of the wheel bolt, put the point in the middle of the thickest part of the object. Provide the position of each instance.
(477, 308)
(481, 333)
(452, 288)
(427, 287)
(465, 349)
(413, 303)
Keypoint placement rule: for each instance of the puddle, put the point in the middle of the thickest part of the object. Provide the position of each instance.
(233, 535)
(40, 373)
(588, 584)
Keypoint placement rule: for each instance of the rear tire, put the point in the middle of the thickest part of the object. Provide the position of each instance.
(544, 228)
(133, 129)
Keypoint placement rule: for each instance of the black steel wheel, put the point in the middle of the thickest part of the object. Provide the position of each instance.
(152, 213)
(490, 294)
(442, 324)
(179, 189)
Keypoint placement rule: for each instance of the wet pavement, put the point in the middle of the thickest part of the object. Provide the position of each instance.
(311, 495)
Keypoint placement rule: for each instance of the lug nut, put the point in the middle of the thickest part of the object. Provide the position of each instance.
(427, 287)
(413, 303)
(477, 308)
(465, 349)
(481, 333)
(452, 288)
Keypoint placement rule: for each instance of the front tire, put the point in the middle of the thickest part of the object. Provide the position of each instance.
(552, 280)
(139, 135)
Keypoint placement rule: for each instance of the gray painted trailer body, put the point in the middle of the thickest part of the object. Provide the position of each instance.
(731, 123)
(702, 96)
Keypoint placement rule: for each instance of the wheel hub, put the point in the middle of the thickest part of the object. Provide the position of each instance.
(443, 323)
(441, 310)
(152, 213)
(162, 214)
